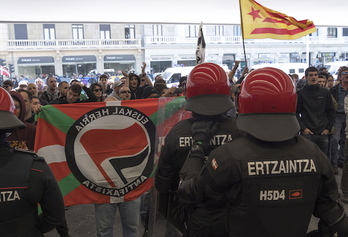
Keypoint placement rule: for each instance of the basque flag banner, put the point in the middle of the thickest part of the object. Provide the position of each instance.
(105, 151)
(259, 22)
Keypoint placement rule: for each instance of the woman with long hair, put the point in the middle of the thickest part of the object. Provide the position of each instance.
(97, 90)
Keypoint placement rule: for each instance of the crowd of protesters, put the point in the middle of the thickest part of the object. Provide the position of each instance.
(29, 98)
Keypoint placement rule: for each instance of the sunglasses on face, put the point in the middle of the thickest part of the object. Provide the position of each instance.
(344, 73)
(96, 90)
(5, 86)
(125, 92)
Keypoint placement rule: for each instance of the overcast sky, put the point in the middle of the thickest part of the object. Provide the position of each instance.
(321, 12)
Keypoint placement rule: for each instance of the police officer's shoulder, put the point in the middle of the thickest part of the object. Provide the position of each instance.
(183, 124)
(29, 153)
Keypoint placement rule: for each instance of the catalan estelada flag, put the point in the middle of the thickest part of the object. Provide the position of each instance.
(105, 152)
(259, 22)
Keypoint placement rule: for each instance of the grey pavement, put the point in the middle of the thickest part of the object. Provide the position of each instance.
(81, 222)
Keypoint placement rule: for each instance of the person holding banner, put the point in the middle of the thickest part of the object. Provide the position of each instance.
(208, 97)
(25, 181)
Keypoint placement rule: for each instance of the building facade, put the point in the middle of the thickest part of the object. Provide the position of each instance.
(81, 49)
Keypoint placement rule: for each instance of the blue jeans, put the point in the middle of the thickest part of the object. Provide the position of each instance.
(129, 214)
(333, 149)
(340, 125)
(322, 141)
(344, 179)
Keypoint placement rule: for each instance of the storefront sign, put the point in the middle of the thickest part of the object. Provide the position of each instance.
(35, 60)
(84, 58)
(126, 57)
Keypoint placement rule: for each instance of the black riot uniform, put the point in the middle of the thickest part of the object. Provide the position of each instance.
(272, 187)
(25, 181)
(177, 145)
(208, 97)
(275, 180)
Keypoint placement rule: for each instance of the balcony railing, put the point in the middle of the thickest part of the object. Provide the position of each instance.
(238, 40)
(73, 44)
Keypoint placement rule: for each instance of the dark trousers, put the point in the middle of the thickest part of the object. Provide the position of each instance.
(63, 229)
(332, 151)
(340, 125)
(322, 141)
(207, 222)
(344, 179)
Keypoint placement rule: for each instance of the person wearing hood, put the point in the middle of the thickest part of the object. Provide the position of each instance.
(21, 137)
(133, 82)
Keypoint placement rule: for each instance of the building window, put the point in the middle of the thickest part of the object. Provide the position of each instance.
(77, 31)
(21, 32)
(344, 56)
(104, 31)
(237, 31)
(332, 32)
(129, 31)
(345, 32)
(49, 31)
(219, 30)
(157, 30)
(316, 33)
(191, 31)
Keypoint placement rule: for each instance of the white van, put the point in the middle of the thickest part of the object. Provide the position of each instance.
(172, 75)
(288, 68)
(333, 67)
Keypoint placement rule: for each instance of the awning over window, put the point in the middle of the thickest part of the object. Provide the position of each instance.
(35, 60)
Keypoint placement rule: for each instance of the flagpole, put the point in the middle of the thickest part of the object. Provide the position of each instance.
(241, 26)
(307, 50)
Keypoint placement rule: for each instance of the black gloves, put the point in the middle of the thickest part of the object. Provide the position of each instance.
(341, 228)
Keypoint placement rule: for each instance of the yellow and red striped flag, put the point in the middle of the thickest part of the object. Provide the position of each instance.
(259, 22)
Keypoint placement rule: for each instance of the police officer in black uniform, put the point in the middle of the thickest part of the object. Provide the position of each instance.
(275, 179)
(25, 181)
(208, 97)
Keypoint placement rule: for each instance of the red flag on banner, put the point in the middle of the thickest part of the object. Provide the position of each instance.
(259, 22)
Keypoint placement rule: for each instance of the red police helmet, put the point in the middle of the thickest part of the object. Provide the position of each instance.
(267, 105)
(208, 90)
(7, 107)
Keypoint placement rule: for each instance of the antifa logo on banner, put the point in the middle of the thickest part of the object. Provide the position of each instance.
(110, 149)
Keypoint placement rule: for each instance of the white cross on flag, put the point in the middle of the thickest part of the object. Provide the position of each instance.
(200, 52)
